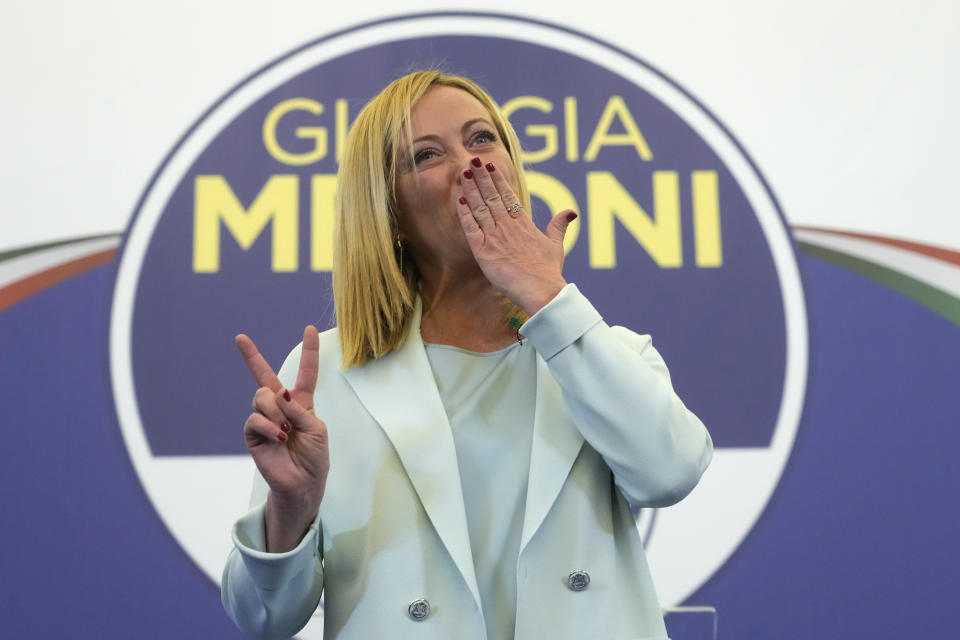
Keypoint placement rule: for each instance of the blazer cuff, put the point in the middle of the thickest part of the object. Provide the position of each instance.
(271, 571)
(560, 322)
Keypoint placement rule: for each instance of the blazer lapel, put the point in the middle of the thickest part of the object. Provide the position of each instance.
(556, 444)
(400, 393)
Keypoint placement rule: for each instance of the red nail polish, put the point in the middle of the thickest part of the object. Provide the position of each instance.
(284, 427)
(571, 216)
(286, 395)
(282, 437)
(490, 167)
(476, 162)
(462, 200)
(468, 174)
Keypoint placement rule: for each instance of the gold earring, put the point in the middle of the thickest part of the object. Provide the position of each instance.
(400, 247)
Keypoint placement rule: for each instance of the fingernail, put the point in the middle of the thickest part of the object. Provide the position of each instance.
(282, 437)
(468, 174)
(286, 395)
(490, 167)
(284, 427)
(462, 200)
(571, 216)
(476, 162)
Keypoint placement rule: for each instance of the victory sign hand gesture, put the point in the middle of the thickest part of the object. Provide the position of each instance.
(287, 441)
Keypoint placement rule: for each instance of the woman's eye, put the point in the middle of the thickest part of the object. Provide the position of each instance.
(484, 137)
(422, 155)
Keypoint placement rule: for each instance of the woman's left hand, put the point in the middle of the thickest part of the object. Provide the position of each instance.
(524, 263)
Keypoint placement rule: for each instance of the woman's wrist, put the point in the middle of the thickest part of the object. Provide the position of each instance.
(286, 521)
(539, 297)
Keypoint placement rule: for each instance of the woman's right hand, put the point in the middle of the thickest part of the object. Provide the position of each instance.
(288, 442)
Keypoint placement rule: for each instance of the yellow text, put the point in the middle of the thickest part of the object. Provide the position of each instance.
(655, 227)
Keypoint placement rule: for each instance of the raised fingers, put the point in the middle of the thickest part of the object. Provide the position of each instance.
(309, 361)
(258, 366)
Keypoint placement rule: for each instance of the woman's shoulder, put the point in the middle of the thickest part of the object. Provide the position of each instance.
(329, 340)
(330, 354)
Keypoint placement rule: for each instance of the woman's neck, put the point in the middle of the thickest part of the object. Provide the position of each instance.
(465, 312)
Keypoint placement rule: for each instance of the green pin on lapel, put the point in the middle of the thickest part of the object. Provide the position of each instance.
(516, 324)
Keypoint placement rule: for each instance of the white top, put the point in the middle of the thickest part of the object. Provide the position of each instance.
(489, 399)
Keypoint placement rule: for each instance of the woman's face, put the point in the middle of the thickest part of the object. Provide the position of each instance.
(450, 127)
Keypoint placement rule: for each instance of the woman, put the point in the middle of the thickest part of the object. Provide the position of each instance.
(467, 479)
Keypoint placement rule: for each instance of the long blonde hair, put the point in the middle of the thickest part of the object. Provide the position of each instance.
(374, 294)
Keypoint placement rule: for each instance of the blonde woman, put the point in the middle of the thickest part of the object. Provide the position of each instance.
(458, 458)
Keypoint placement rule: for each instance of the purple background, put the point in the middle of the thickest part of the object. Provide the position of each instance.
(858, 540)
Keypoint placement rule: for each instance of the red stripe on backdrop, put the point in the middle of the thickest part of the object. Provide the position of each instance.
(947, 255)
(21, 289)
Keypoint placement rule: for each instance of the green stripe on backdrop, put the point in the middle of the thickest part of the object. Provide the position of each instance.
(13, 253)
(937, 300)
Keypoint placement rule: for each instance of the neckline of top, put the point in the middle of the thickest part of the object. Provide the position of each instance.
(467, 352)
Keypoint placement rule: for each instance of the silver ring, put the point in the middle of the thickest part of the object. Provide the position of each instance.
(515, 208)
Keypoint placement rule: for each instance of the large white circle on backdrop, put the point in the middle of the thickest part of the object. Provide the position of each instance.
(199, 497)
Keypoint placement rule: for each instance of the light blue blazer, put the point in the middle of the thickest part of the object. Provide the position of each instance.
(609, 432)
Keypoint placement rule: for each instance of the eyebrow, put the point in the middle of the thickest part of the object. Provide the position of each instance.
(463, 129)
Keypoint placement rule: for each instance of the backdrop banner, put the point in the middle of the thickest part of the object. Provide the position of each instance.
(821, 360)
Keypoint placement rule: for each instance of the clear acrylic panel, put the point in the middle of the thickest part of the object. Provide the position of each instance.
(691, 622)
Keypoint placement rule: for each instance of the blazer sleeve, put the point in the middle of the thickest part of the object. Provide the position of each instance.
(617, 389)
(272, 595)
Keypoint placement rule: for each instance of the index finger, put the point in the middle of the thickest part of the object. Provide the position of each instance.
(309, 360)
(258, 366)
